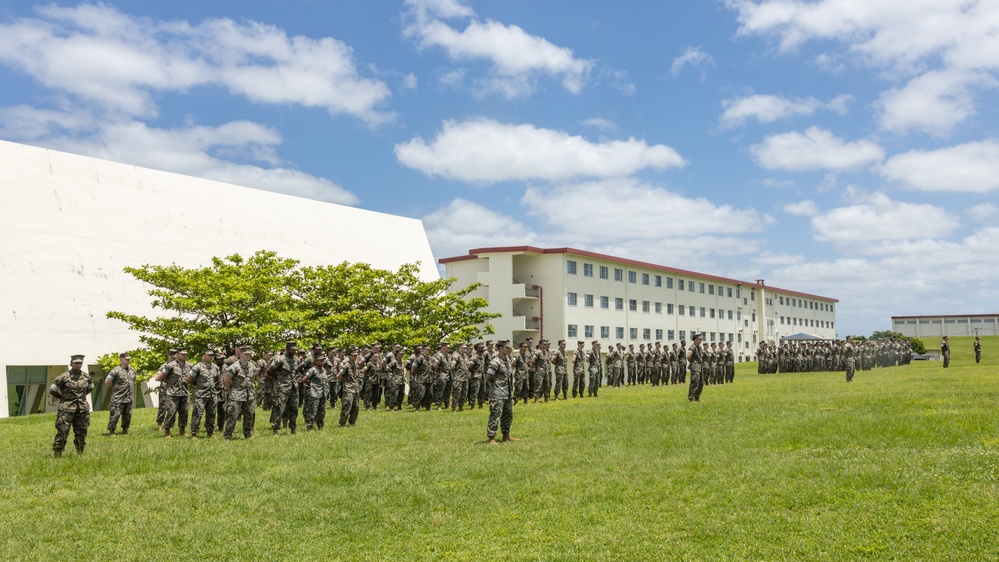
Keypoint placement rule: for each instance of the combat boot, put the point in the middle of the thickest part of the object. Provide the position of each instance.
(57, 454)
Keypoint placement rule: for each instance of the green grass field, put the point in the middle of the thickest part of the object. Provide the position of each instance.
(903, 464)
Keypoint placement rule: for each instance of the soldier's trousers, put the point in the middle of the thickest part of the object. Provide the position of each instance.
(561, 383)
(978, 356)
(578, 383)
(546, 384)
(206, 407)
(161, 408)
(439, 386)
(220, 413)
(536, 388)
(946, 357)
(459, 394)
(729, 372)
(632, 375)
(372, 393)
(594, 383)
(683, 371)
(391, 393)
(176, 410)
(311, 411)
(474, 385)
(79, 421)
(415, 394)
(501, 415)
(850, 367)
(233, 410)
(348, 408)
(520, 388)
(285, 406)
(121, 410)
(696, 384)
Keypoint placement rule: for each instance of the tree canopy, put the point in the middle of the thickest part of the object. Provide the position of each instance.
(265, 300)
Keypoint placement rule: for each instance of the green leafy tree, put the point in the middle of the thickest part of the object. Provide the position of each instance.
(888, 335)
(917, 345)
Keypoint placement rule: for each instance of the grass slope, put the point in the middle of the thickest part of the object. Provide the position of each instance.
(902, 464)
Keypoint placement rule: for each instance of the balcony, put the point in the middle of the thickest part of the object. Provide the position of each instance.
(528, 323)
(522, 291)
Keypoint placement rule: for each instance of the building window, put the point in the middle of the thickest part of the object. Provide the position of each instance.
(669, 308)
(729, 291)
(645, 306)
(587, 331)
(633, 305)
(679, 283)
(671, 333)
(659, 334)
(681, 310)
(669, 282)
(618, 303)
(700, 288)
(924, 321)
(738, 293)
(645, 279)
(646, 334)
(702, 312)
(573, 331)
(780, 300)
(587, 270)
(711, 312)
(659, 308)
(570, 267)
(570, 299)
(712, 335)
(604, 302)
(730, 315)
(632, 277)
(683, 335)
(633, 332)
(603, 272)
(588, 301)
(781, 320)
(770, 302)
(618, 274)
(658, 280)
(720, 290)
(619, 333)
(711, 289)
(604, 332)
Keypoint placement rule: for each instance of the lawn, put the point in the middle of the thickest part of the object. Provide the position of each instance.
(902, 464)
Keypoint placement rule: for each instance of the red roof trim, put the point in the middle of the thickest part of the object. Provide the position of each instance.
(994, 315)
(474, 254)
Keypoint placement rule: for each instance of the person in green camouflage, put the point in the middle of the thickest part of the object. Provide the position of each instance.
(350, 374)
(121, 381)
(500, 377)
(161, 394)
(560, 359)
(595, 369)
(695, 357)
(848, 356)
(314, 382)
(71, 389)
(460, 373)
(395, 380)
(238, 381)
(478, 373)
(203, 378)
(579, 370)
(281, 372)
(174, 377)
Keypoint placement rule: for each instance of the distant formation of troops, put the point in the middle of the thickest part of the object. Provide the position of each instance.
(222, 391)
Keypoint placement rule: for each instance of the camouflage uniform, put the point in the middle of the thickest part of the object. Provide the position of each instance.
(521, 373)
(593, 358)
(205, 377)
(178, 400)
(440, 375)
(285, 395)
(460, 373)
(122, 381)
(696, 366)
(240, 399)
(350, 373)
(561, 361)
(475, 382)
(849, 361)
(74, 411)
(420, 384)
(631, 363)
(500, 375)
(316, 384)
(578, 372)
(372, 392)
(394, 382)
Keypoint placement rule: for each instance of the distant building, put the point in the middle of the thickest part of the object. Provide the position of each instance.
(946, 325)
(69, 224)
(564, 293)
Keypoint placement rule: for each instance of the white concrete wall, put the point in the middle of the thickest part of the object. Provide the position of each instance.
(69, 224)
(950, 325)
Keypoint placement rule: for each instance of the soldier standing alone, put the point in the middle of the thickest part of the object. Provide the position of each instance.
(500, 376)
(71, 390)
(945, 351)
(978, 350)
(121, 380)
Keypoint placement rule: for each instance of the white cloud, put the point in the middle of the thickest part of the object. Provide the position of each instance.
(879, 219)
(983, 212)
(461, 225)
(946, 47)
(769, 108)
(970, 167)
(771, 258)
(600, 123)
(515, 56)
(816, 149)
(619, 210)
(694, 57)
(118, 62)
(485, 151)
(238, 152)
(804, 208)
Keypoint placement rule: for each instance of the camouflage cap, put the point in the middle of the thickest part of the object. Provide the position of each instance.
(76, 358)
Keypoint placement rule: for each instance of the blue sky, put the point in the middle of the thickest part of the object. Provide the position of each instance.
(847, 148)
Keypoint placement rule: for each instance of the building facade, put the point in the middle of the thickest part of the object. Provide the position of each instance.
(69, 225)
(946, 325)
(565, 293)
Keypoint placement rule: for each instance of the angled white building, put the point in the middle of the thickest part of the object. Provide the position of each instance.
(69, 224)
(565, 293)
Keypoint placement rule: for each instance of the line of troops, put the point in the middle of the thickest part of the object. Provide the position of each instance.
(805, 357)
(224, 390)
